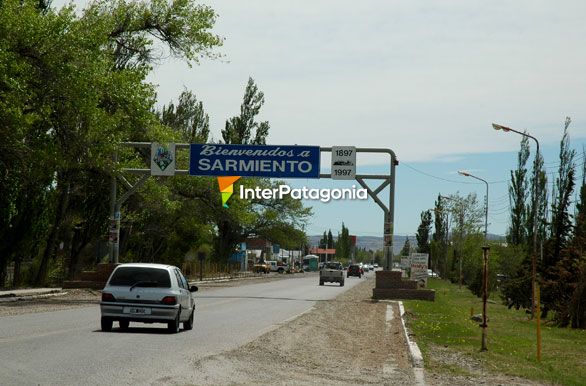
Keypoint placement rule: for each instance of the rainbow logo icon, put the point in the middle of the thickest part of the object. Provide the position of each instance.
(227, 188)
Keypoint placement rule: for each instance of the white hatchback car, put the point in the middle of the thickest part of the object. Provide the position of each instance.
(147, 293)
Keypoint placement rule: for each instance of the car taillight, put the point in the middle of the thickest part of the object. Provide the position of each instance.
(108, 297)
(169, 300)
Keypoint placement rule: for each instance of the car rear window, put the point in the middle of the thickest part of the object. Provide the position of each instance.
(333, 266)
(128, 276)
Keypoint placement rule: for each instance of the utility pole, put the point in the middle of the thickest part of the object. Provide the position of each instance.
(484, 324)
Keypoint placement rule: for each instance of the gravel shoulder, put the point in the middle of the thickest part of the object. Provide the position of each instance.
(344, 341)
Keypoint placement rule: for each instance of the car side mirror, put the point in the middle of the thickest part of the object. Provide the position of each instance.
(193, 288)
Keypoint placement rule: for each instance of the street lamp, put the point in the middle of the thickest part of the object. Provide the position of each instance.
(464, 173)
(461, 238)
(535, 209)
(485, 250)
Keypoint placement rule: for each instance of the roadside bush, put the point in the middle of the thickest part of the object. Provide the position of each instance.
(577, 306)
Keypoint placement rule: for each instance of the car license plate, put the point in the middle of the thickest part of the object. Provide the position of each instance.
(137, 310)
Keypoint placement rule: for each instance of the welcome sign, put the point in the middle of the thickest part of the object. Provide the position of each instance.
(254, 161)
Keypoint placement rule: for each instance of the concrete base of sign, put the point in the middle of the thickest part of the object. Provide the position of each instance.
(92, 279)
(390, 285)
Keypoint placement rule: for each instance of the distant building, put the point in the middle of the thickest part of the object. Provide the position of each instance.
(325, 254)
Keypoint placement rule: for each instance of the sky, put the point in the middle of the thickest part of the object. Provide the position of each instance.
(425, 79)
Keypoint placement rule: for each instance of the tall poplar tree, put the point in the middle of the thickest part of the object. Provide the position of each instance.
(517, 233)
(423, 231)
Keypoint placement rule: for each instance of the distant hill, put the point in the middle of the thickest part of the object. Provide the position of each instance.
(369, 242)
(376, 243)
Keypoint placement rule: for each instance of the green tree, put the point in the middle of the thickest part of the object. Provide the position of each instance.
(244, 129)
(579, 236)
(423, 232)
(330, 243)
(188, 118)
(344, 244)
(561, 264)
(517, 233)
(323, 242)
(468, 218)
(73, 87)
(561, 222)
(439, 242)
(406, 250)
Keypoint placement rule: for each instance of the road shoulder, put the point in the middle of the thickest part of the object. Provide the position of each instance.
(346, 340)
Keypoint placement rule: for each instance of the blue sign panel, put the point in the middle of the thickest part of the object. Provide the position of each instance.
(254, 161)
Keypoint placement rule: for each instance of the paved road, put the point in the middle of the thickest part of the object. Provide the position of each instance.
(67, 348)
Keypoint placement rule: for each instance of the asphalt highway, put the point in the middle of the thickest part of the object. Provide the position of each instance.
(68, 348)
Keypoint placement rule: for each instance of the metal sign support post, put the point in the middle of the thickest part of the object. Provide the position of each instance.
(116, 203)
(388, 211)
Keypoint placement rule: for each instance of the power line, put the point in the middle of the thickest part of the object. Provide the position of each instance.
(436, 177)
(448, 180)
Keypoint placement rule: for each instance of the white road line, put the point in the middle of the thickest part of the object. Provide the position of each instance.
(389, 366)
(390, 314)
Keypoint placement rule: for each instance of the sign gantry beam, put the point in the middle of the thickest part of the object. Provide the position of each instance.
(344, 168)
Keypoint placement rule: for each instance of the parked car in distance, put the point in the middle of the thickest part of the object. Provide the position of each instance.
(275, 267)
(430, 273)
(147, 293)
(261, 267)
(354, 270)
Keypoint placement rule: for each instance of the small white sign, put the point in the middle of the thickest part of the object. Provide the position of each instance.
(343, 162)
(162, 159)
(419, 267)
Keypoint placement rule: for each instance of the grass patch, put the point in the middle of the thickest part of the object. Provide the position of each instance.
(511, 337)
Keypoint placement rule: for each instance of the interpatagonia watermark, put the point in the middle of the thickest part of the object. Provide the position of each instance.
(304, 193)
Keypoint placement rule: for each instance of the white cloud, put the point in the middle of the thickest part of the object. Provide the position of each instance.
(426, 80)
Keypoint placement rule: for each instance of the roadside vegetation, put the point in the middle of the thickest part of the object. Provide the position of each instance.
(556, 242)
(73, 87)
(446, 325)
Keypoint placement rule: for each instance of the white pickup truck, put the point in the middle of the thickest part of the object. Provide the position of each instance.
(332, 272)
(277, 268)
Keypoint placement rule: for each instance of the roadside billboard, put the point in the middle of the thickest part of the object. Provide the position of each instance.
(419, 267)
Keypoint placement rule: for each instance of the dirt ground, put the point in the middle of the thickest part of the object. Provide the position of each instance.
(343, 341)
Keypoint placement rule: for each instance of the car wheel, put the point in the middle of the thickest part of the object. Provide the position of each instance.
(124, 324)
(342, 284)
(321, 282)
(188, 325)
(173, 327)
(359, 276)
(106, 324)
